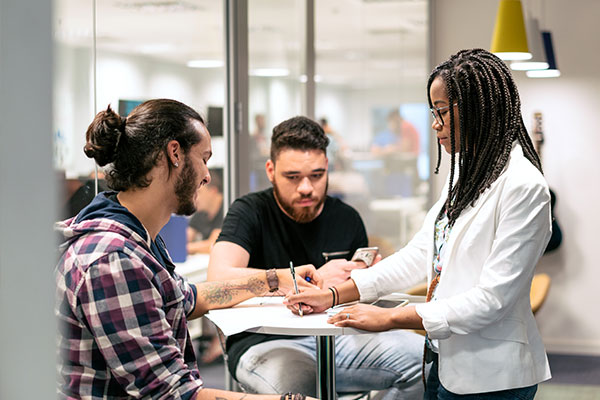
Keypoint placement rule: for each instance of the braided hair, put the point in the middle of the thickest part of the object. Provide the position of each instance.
(490, 120)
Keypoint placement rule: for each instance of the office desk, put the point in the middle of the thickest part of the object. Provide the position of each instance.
(268, 315)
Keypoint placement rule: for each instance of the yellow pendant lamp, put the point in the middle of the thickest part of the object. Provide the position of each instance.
(509, 41)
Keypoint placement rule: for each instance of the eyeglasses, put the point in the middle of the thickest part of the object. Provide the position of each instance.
(438, 112)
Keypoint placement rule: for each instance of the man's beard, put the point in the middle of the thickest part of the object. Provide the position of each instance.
(304, 214)
(185, 188)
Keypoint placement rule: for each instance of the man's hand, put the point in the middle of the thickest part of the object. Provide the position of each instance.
(308, 273)
(378, 258)
(286, 284)
(338, 271)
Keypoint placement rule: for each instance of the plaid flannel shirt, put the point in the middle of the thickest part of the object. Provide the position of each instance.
(122, 315)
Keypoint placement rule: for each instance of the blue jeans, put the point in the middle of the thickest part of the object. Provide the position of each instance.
(435, 390)
(388, 361)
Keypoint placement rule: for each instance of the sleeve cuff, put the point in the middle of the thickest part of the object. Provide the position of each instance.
(366, 288)
(434, 320)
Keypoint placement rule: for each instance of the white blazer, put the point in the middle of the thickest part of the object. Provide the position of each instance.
(488, 337)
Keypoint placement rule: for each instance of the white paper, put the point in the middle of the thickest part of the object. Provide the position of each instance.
(269, 315)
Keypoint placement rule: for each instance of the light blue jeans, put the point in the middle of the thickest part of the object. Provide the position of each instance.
(386, 360)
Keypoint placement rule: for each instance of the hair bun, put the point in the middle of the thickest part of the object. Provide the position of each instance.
(103, 136)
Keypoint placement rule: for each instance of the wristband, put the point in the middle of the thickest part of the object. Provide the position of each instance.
(333, 293)
(272, 280)
(337, 296)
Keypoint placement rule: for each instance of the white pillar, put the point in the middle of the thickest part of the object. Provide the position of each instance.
(27, 201)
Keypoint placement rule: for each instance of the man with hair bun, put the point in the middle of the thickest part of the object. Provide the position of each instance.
(122, 307)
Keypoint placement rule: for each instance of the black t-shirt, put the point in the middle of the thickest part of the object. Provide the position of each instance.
(203, 224)
(272, 239)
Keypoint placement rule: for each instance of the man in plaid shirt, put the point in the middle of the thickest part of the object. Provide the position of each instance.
(122, 308)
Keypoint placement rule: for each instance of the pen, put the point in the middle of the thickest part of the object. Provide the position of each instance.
(295, 286)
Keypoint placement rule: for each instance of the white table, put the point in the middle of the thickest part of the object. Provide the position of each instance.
(268, 315)
(195, 269)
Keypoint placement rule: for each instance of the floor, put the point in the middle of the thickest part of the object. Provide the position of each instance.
(573, 378)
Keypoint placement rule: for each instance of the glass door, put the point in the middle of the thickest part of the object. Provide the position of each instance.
(370, 75)
(276, 32)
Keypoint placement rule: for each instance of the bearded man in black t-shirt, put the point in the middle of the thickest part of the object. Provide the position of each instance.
(296, 221)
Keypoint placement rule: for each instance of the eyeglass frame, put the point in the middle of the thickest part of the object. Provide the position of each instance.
(439, 114)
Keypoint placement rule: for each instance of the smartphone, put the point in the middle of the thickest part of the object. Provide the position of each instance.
(390, 303)
(366, 255)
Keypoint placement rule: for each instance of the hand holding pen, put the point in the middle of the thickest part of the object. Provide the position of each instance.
(295, 286)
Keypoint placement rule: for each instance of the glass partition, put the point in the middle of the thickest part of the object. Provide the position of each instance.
(371, 74)
(73, 98)
(276, 32)
(134, 51)
(121, 53)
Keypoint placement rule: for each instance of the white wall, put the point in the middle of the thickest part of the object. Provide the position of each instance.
(568, 320)
(127, 77)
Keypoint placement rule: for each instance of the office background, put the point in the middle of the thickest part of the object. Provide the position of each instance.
(29, 193)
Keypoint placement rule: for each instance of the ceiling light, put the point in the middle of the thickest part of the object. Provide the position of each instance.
(303, 78)
(538, 61)
(509, 41)
(205, 63)
(271, 72)
(155, 48)
(158, 6)
(543, 73)
(552, 71)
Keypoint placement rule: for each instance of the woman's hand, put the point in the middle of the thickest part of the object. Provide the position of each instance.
(366, 317)
(313, 300)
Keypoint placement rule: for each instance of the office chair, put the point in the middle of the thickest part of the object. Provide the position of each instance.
(539, 291)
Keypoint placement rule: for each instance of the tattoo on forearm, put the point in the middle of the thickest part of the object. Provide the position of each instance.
(221, 293)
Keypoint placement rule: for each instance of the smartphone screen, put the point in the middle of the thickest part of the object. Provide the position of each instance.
(389, 303)
(366, 255)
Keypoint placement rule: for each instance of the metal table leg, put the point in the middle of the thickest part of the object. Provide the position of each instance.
(326, 367)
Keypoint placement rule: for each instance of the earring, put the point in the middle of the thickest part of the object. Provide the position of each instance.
(176, 164)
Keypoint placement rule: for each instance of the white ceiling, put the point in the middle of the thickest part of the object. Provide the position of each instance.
(377, 42)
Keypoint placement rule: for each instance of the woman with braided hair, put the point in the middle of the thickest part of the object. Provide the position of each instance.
(478, 246)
